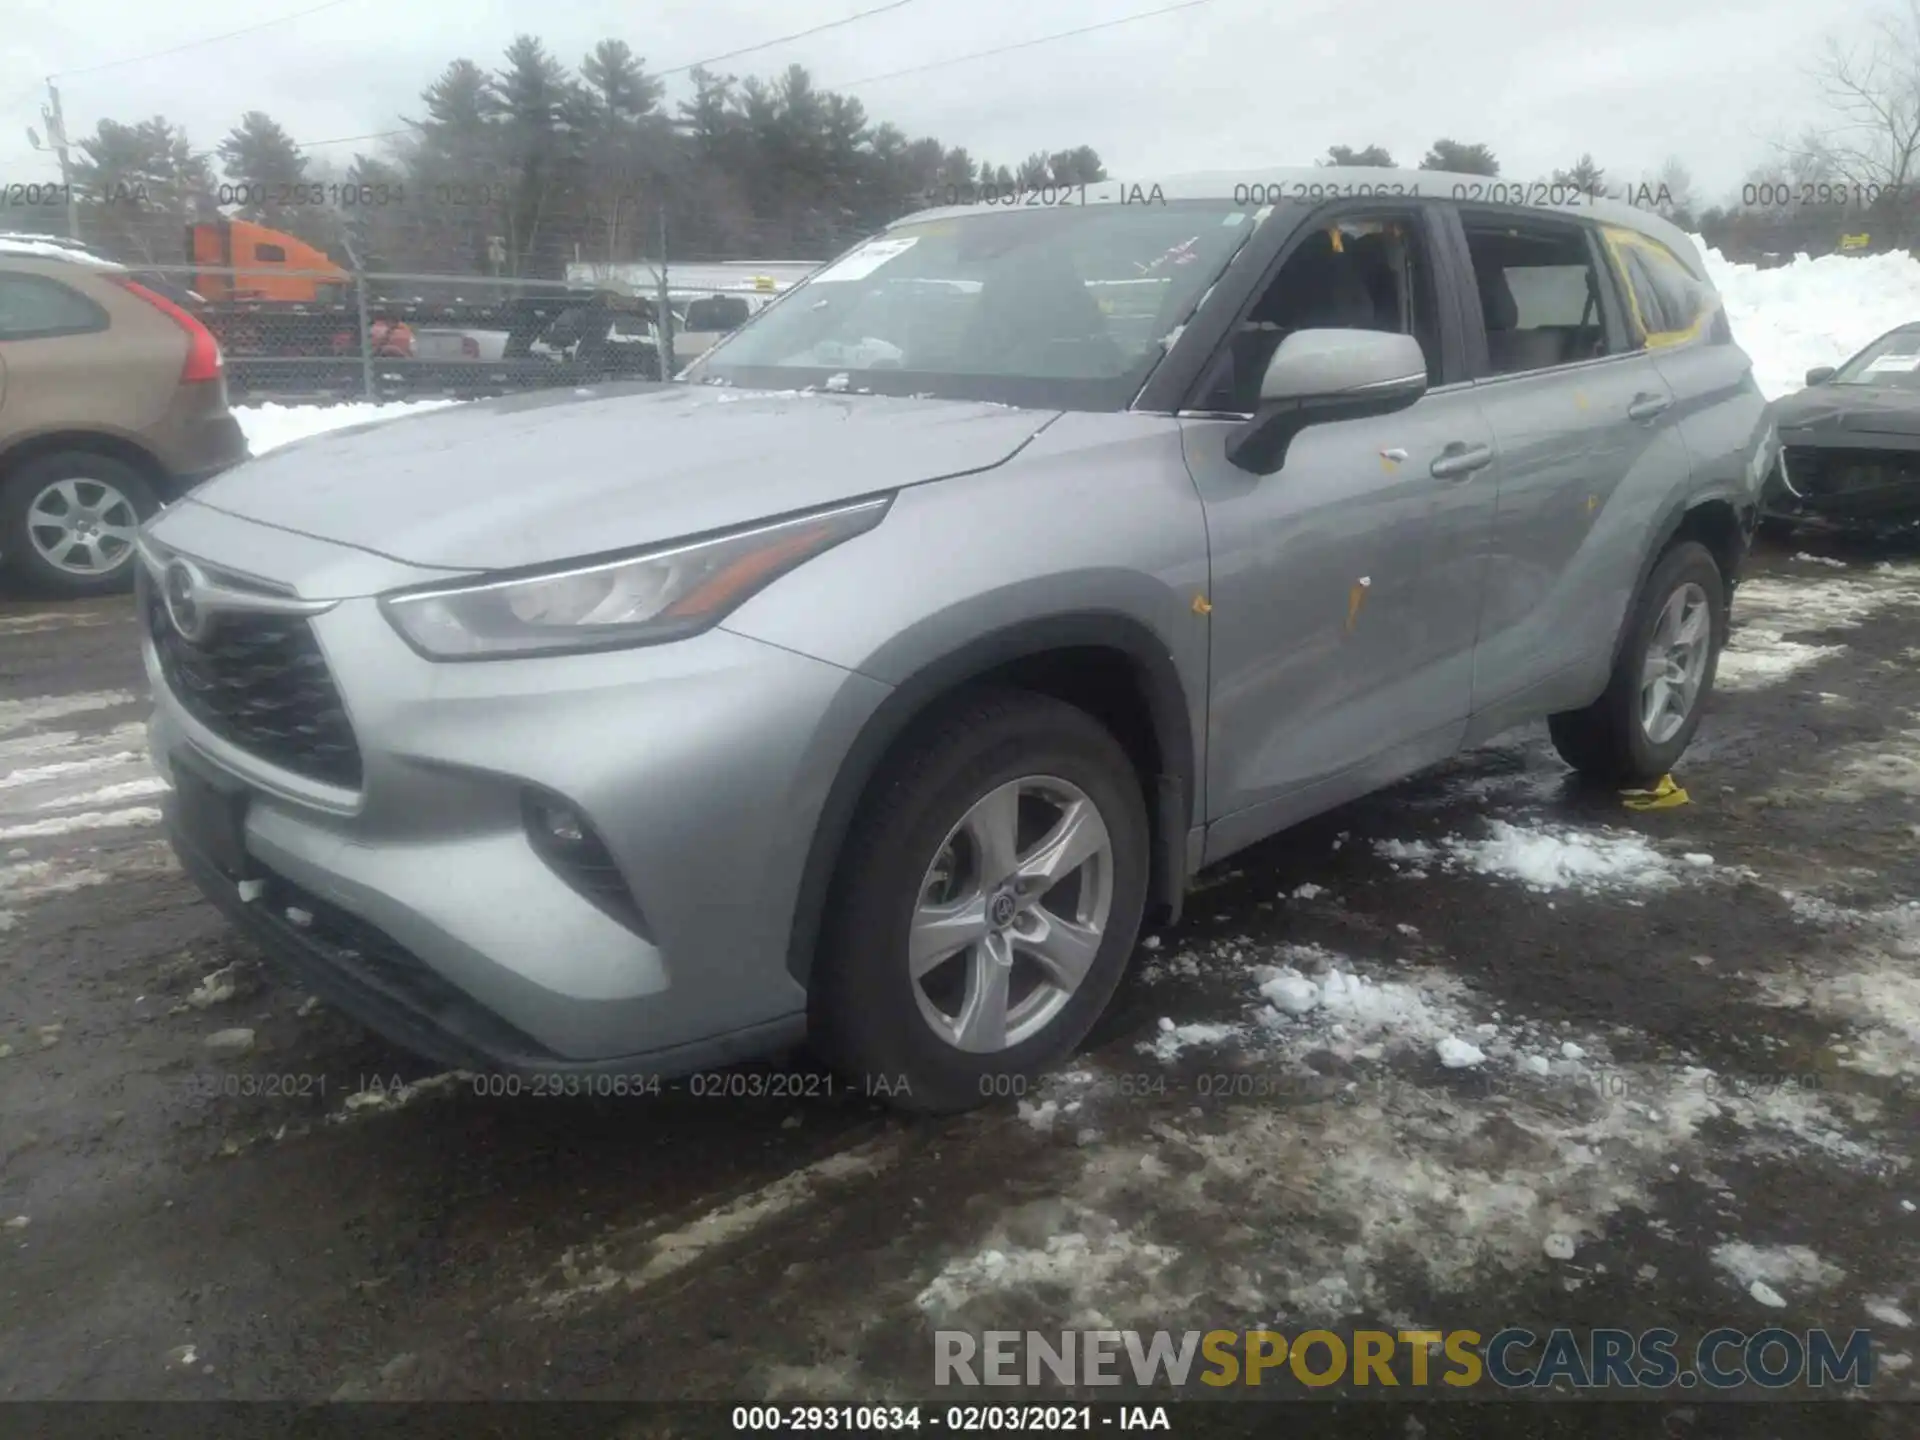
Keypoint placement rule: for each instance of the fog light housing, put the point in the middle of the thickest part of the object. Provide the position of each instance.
(560, 824)
(563, 837)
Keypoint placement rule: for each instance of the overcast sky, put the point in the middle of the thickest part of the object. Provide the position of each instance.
(1225, 84)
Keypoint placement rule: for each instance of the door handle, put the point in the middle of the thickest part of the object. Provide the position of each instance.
(1460, 460)
(1645, 406)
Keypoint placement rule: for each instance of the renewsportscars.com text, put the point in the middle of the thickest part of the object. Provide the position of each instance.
(1512, 1359)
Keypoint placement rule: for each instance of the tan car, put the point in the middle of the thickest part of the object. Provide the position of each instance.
(113, 402)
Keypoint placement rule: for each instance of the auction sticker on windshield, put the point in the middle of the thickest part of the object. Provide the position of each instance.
(867, 259)
(1894, 362)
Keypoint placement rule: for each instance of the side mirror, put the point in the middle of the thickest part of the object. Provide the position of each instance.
(1820, 374)
(1317, 376)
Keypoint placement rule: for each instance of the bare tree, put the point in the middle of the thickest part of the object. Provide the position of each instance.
(1873, 94)
(1795, 165)
(1672, 192)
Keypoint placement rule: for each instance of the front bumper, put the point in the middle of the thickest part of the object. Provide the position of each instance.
(196, 441)
(418, 902)
(1846, 480)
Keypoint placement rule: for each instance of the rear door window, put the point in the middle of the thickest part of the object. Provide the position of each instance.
(1538, 282)
(33, 307)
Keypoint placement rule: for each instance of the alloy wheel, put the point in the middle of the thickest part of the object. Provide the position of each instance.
(1675, 663)
(1011, 914)
(82, 527)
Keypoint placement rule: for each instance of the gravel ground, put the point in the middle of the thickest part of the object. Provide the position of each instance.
(1482, 1050)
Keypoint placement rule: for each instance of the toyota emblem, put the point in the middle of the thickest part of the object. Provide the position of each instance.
(181, 587)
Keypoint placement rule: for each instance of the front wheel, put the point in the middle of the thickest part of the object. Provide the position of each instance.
(987, 902)
(68, 521)
(1638, 729)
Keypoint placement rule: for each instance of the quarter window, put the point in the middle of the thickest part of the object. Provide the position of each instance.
(33, 307)
(1668, 304)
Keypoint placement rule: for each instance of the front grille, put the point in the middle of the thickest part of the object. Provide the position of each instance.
(1840, 475)
(260, 683)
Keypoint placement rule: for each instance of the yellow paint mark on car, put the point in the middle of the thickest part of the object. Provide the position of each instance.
(1202, 605)
(1356, 597)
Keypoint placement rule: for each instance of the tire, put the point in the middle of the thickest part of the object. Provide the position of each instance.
(112, 489)
(1609, 741)
(869, 1015)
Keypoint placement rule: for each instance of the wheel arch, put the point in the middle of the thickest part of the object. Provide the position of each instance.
(1720, 522)
(28, 448)
(1106, 663)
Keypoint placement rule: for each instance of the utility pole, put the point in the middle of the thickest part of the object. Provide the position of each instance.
(367, 387)
(663, 322)
(57, 142)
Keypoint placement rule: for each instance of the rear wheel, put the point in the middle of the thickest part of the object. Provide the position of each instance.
(1638, 729)
(988, 899)
(68, 521)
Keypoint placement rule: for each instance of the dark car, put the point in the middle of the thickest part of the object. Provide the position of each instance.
(1850, 442)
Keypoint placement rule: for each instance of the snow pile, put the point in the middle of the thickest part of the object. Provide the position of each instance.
(1812, 312)
(268, 427)
(1548, 857)
(1318, 996)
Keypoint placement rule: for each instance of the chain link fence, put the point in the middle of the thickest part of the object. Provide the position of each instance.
(320, 336)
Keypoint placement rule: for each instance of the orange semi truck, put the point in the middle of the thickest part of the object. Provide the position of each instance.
(274, 265)
(270, 292)
(288, 320)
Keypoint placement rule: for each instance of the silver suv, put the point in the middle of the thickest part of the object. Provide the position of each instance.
(876, 685)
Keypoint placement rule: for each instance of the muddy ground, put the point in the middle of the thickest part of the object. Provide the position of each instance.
(1694, 1096)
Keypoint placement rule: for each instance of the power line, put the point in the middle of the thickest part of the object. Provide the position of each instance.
(784, 39)
(354, 139)
(194, 44)
(1022, 45)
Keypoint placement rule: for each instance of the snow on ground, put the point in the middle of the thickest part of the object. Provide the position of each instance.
(1769, 611)
(1864, 978)
(1757, 657)
(1547, 857)
(1330, 1190)
(1812, 312)
(1772, 1267)
(65, 772)
(268, 427)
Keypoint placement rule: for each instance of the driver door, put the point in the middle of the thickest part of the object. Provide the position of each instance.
(1346, 586)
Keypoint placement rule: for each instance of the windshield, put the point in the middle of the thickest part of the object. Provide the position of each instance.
(1893, 360)
(1063, 307)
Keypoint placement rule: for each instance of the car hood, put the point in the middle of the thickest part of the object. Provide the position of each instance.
(555, 475)
(1851, 409)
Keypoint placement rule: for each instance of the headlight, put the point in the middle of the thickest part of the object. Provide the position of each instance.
(665, 593)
